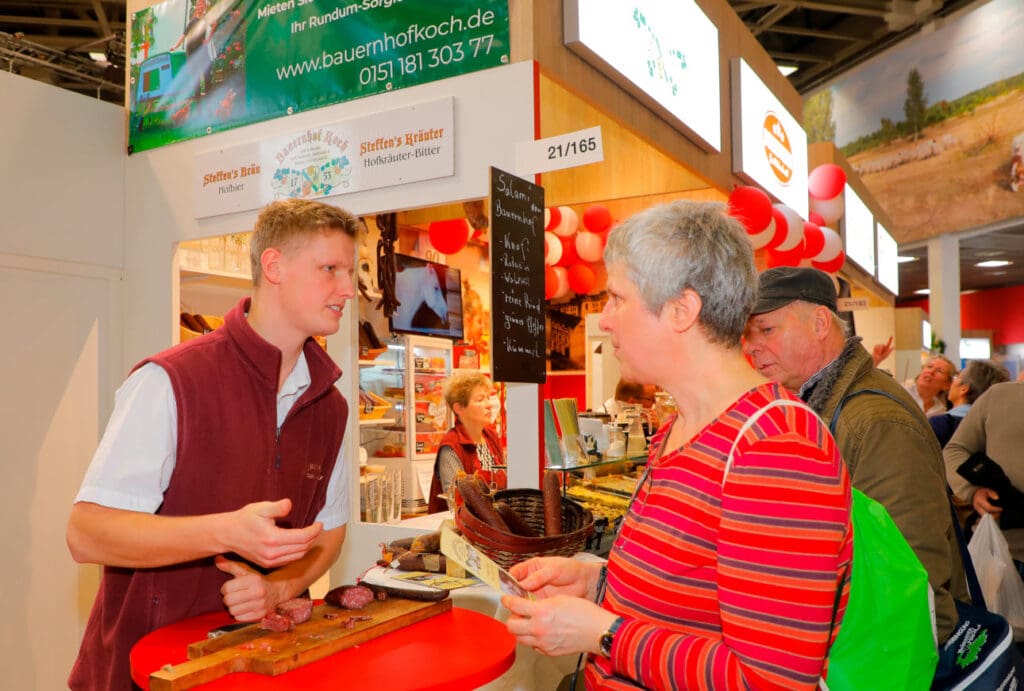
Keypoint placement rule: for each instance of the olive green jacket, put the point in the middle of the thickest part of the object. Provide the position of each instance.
(893, 457)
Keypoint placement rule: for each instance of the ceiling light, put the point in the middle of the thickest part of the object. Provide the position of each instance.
(787, 69)
(904, 260)
(922, 291)
(993, 263)
(99, 56)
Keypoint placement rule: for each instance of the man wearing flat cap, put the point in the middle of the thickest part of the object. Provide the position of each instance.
(795, 337)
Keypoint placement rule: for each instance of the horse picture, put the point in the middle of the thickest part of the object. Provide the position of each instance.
(424, 302)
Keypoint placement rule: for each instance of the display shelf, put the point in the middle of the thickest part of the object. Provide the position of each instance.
(377, 423)
(638, 460)
(419, 417)
(211, 273)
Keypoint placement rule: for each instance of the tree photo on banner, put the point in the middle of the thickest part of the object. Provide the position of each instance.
(203, 66)
(934, 127)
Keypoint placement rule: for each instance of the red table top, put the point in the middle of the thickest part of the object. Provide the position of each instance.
(460, 649)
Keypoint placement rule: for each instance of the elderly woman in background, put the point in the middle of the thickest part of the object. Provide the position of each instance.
(930, 388)
(471, 445)
(693, 594)
(973, 380)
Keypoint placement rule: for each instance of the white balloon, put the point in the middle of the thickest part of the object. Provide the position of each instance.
(589, 246)
(563, 290)
(829, 209)
(552, 248)
(795, 231)
(570, 222)
(759, 240)
(547, 217)
(833, 246)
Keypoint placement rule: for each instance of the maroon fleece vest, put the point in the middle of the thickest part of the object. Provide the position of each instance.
(465, 448)
(229, 455)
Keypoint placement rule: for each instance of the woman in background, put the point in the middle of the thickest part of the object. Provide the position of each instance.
(724, 580)
(471, 445)
(972, 381)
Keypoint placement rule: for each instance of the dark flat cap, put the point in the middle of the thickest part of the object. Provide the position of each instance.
(782, 285)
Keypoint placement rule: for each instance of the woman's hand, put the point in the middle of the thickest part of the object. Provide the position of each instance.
(559, 625)
(550, 576)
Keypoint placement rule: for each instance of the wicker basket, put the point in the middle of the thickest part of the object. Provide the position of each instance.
(507, 549)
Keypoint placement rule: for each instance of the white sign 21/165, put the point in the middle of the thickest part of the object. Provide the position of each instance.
(564, 151)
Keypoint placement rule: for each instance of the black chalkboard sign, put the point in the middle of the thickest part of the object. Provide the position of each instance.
(518, 343)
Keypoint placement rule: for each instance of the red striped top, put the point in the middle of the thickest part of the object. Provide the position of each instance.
(734, 587)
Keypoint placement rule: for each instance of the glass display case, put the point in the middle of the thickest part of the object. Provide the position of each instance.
(403, 417)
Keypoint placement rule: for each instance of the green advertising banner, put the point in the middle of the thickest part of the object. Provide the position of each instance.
(200, 67)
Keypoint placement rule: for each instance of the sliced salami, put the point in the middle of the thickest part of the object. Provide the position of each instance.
(298, 610)
(277, 622)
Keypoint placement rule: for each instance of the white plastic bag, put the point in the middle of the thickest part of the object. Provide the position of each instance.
(1001, 584)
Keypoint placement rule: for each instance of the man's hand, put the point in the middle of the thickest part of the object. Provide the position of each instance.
(983, 497)
(248, 596)
(253, 534)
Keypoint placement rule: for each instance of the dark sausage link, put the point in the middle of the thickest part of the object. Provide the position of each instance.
(349, 596)
(514, 521)
(480, 505)
(422, 595)
(552, 504)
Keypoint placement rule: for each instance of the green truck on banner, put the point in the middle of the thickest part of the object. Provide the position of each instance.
(201, 67)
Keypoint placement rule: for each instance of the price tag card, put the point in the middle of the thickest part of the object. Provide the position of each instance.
(564, 151)
(456, 548)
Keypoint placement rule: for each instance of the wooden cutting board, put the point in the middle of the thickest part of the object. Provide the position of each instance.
(252, 649)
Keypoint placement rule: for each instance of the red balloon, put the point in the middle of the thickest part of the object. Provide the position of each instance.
(751, 207)
(814, 240)
(597, 218)
(550, 282)
(569, 255)
(788, 258)
(830, 267)
(781, 228)
(816, 219)
(554, 218)
(448, 237)
(826, 181)
(581, 278)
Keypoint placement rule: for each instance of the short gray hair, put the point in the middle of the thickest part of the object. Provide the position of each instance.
(690, 245)
(979, 375)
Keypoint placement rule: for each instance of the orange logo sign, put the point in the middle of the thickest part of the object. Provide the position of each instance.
(777, 149)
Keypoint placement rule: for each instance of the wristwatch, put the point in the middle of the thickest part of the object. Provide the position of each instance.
(608, 636)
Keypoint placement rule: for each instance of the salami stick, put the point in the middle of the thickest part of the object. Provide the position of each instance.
(552, 504)
(514, 521)
(479, 505)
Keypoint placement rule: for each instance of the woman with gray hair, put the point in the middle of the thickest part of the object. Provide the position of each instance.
(739, 490)
(972, 381)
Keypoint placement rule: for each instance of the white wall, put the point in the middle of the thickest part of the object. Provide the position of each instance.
(61, 252)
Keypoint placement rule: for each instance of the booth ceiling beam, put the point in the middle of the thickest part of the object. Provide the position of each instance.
(824, 38)
(49, 40)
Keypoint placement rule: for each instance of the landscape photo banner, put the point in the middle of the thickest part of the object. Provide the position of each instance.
(201, 67)
(934, 127)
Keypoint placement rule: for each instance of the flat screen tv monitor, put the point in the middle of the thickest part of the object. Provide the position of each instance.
(431, 298)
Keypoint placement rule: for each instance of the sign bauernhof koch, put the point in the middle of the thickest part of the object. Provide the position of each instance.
(769, 145)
